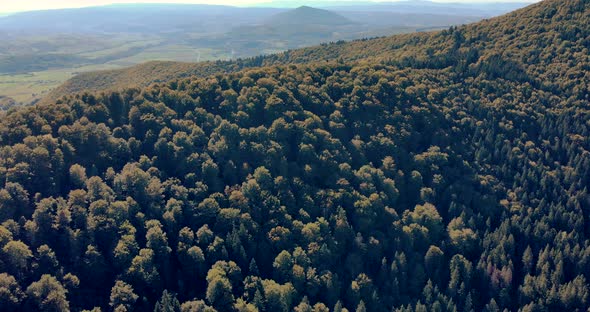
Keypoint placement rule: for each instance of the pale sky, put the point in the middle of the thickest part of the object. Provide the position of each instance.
(29, 5)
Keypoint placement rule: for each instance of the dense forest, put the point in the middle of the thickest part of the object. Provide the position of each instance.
(454, 178)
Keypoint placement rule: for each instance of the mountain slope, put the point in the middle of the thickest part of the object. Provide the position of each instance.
(447, 174)
(521, 36)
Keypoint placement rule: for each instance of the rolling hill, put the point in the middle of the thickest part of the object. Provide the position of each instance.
(305, 15)
(489, 8)
(440, 171)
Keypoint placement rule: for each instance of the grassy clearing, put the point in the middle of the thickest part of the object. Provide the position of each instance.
(181, 53)
(127, 51)
(119, 49)
(25, 88)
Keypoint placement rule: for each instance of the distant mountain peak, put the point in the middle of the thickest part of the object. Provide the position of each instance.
(309, 15)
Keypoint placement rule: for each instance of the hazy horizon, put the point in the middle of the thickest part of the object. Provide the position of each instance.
(34, 5)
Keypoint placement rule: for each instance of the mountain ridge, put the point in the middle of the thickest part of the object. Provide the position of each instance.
(111, 37)
(394, 47)
(305, 15)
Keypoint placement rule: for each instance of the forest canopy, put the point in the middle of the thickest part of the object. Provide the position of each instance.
(450, 180)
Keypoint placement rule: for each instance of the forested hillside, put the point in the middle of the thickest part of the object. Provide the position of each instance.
(442, 171)
(542, 39)
(43, 49)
